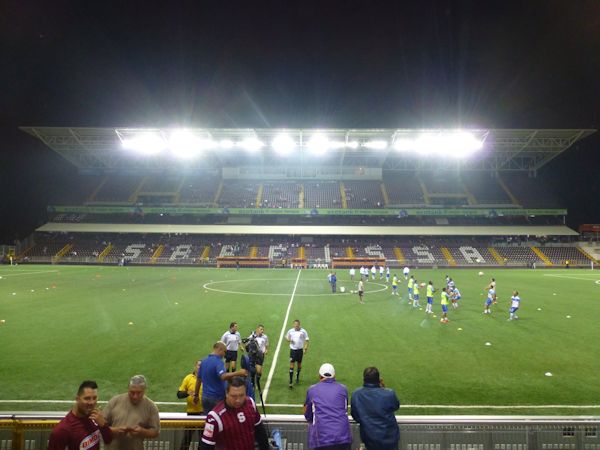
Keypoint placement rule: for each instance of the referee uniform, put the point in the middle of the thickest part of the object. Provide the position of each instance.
(298, 339)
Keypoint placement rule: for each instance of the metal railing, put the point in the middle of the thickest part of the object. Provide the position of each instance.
(30, 431)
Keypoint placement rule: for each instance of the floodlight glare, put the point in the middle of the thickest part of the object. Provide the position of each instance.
(404, 144)
(376, 145)
(183, 144)
(318, 144)
(226, 143)
(283, 144)
(352, 144)
(145, 143)
(251, 144)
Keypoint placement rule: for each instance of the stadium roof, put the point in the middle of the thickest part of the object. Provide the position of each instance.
(502, 149)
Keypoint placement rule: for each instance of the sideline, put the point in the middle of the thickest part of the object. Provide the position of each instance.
(283, 326)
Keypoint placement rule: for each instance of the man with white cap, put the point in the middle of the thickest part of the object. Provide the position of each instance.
(326, 410)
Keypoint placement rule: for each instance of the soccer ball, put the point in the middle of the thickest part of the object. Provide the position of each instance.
(477, 260)
(480, 274)
(422, 285)
(342, 289)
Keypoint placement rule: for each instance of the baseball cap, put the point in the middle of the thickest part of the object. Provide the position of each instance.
(327, 371)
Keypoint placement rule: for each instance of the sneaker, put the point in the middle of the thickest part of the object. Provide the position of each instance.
(291, 386)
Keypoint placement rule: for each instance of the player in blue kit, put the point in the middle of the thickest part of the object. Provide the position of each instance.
(455, 297)
(515, 303)
(491, 298)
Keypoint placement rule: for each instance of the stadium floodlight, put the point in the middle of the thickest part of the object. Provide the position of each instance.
(404, 144)
(352, 144)
(283, 144)
(376, 145)
(183, 144)
(456, 144)
(318, 144)
(251, 144)
(226, 144)
(149, 143)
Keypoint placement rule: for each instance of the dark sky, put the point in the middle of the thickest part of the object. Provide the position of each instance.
(325, 63)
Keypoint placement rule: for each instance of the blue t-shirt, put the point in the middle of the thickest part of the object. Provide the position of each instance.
(210, 372)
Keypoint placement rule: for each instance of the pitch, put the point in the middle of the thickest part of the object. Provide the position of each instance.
(62, 324)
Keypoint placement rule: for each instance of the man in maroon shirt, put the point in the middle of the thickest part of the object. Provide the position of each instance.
(235, 423)
(84, 425)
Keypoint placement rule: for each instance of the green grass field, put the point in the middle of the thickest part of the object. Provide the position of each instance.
(60, 325)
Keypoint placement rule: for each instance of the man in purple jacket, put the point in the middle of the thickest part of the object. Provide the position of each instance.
(326, 410)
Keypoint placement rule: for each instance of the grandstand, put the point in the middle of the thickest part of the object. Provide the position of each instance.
(390, 199)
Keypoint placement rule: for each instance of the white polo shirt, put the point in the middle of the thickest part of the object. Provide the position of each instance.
(297, 338)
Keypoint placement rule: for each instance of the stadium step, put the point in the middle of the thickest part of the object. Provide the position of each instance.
(253, 251)
(205, 254)
(105, 252)
(543, 257)
(424, 191)
(157, 254)
(384, 194)
(218, 193)
(62, 252)
(399, 255)
(259, 195)
(505, 188)
(496, 255)
(92, 196)
(134, 195)
(301, 253)
(301, 196)
(349, 252)
(343, 195)
(448, 256)
(586, 254)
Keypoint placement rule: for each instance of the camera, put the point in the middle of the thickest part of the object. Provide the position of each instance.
(251, 347)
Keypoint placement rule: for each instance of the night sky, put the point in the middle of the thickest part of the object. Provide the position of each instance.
(301, 64)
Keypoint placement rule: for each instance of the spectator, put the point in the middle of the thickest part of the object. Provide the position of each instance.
(212, 375)
(132, 417)
(326, 409)
(83, 426)
(373, 407)
(235, 423)
(186, 390)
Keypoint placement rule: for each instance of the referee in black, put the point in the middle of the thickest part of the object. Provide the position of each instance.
(298, 339)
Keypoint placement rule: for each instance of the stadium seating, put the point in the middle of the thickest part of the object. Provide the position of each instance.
(324, 194)
(204, 249)
(239, 194)
(363, 194)
(403, 189)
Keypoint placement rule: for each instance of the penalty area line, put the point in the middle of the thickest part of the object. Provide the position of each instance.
(283, 326)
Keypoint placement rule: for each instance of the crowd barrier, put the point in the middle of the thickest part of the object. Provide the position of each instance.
(30, 431)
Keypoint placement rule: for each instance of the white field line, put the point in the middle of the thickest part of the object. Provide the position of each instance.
(297, 406)
(572, 278)
(283, 326)
(27, 273)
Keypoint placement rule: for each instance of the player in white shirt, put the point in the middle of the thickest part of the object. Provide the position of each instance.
(232, 341)
(381, 272)
(298, 339)
(373, 272)
(363, 272)
(491, 298)
(406, 271)
(387, 274)
(515, 303)
(352, 273)
(361, 291)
